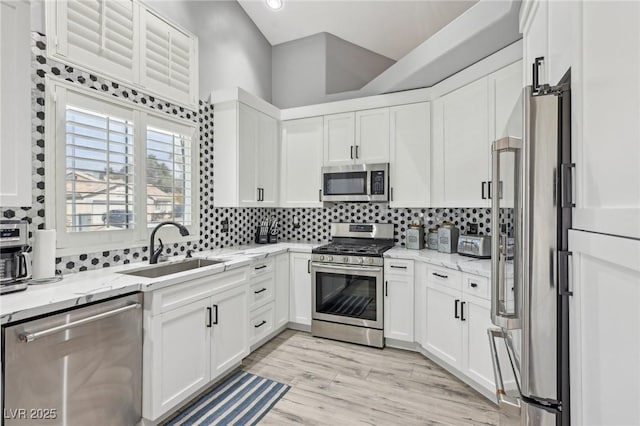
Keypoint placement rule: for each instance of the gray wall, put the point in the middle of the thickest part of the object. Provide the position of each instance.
(232, 51)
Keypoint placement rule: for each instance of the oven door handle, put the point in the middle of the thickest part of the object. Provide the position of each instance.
(349, 268)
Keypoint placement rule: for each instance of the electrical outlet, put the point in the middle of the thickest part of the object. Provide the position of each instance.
(296, 222)
(225, 226)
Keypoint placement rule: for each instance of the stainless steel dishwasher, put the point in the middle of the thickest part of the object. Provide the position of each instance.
(78, 367)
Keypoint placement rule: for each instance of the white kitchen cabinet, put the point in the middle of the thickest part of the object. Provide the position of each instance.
(605, 126)
(604, 329)
(410, 155)
(169, 59)
(534, 25)
(230, 342)
(461, 147)
(282, 290)
(420, 304)
(372, 136)
(302, 153)
(300, 288)
(246, 157)
(444, 328)
(398, 299)
(180, 344)
(339, 139)
(475, 313)
(15, 104)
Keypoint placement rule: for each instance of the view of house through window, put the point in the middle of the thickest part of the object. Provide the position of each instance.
(99, 171)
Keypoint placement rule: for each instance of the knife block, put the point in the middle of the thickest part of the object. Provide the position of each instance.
(261, 239)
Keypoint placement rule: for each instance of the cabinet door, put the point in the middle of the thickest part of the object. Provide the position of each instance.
(462, 145)
(372, 136)
(475, 315)
(230, 342)
(302, 162)
(444, 338)
(282, 290)
(606, 150)
(420, 304)
(604, 329)
(248, 139)
(398, 308)
(535, 28)
(15, 108)
(339, 139)
(180, 356)
(410, 150)
(300, 287)
(268, 160)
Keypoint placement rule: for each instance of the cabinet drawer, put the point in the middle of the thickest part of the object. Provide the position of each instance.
(444, 277)
(262, 290)
(261, 323)
(476, 285)
(398, 267)
(262, 267)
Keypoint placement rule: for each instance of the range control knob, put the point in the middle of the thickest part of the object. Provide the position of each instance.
(330, 258)
(322, 257)
(346, 259)
(371, 260)
(361, 260)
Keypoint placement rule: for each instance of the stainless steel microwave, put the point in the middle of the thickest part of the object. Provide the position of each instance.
(356, 183)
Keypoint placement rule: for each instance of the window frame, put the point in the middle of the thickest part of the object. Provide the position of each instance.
(72, 243)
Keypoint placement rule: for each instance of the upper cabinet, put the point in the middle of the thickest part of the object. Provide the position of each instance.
(356, 137)
(15, 104)
(127, 42)
(246, 157)
(464, 124)
(170, 59)
(301, 184)
(410, 148)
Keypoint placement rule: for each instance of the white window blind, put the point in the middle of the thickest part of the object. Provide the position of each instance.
(169, 173)
(104, 28)
(99, 174)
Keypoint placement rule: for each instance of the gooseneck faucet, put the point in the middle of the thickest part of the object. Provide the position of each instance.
(155, 254)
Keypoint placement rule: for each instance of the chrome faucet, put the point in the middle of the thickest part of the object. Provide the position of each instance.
(155, 254)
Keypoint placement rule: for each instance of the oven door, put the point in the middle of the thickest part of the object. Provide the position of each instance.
(347, 294)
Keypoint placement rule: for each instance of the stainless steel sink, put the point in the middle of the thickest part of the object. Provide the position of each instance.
(160, 270)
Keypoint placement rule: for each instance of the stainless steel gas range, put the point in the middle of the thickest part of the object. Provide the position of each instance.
(347, 283)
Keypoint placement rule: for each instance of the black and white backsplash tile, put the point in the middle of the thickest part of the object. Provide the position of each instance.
(214, 233)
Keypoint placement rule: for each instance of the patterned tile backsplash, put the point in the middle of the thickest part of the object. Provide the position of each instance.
(313, 222)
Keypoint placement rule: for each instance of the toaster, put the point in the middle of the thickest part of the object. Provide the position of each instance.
(475, 246)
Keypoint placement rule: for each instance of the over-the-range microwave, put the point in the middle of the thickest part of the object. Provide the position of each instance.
(356, 183)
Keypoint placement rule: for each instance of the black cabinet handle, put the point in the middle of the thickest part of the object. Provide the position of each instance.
(357, 146)
(260, 291)
(489, 190)
(386, 288)
(352, 152)
(456, 315)
(320, 195)
(309, 266)
(398, 267)
(462, 318)
(474, 285)
(208, 316)
(261, 324)
(440, 275)
(260, 267)
(391, 193)
(535, 84)
(258, 196)
(215, 321)
(484, 197)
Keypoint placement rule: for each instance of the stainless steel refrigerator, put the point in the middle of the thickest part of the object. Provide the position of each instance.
(531, 215)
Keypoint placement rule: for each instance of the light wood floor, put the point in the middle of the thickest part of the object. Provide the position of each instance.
(335, 383)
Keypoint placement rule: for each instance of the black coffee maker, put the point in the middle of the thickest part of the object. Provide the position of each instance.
(15, 262)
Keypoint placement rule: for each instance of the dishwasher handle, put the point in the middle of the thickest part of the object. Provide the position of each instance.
(30, 337)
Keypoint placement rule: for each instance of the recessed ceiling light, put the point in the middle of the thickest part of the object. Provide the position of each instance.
(274, 4)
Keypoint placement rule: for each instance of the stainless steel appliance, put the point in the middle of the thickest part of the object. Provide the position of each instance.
(347, 279)
(356, 182)
(533, 322)
(478, 246)
(448, 238)
(76, 367)
(15, 262)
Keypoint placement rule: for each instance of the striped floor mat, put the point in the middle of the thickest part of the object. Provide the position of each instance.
(242, 399)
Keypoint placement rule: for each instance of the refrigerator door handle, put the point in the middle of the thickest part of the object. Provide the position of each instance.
(504, 400)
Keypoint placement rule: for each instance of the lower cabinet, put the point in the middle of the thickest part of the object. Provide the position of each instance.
(282, 290)
(300, 288)
(230, 342)
(476, 360)
(398, 300)
(444, 328)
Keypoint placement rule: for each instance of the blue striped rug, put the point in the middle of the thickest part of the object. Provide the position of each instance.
(242, 399)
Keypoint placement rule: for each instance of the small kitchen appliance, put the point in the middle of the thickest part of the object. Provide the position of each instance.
(15, 262)
(356, 183)
(448, 238)
(478, 246)
(347, 278)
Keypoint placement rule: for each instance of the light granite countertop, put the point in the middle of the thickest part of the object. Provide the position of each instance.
(452, 261)
(90, 286)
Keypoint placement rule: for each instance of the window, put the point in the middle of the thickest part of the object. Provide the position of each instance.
(117, 170)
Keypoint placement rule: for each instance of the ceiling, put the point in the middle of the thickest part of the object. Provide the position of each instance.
(391, 28)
